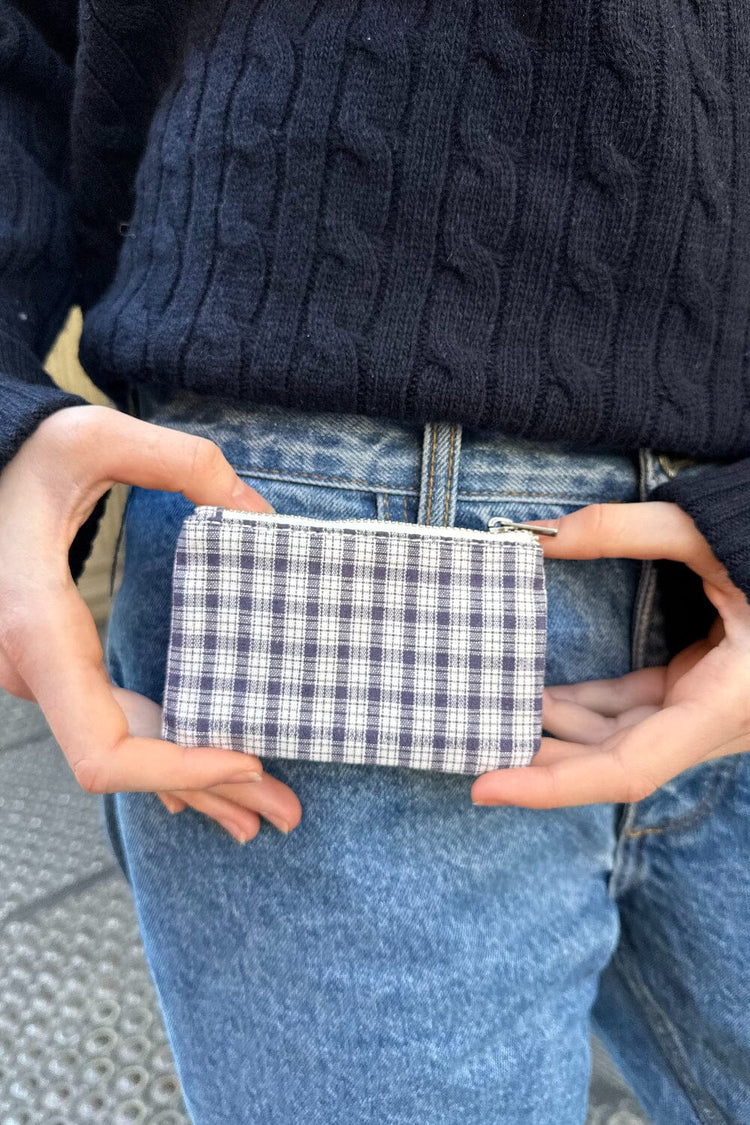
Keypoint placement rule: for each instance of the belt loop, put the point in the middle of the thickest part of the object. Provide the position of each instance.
(441, 453)
(646, 472)
(646, 596)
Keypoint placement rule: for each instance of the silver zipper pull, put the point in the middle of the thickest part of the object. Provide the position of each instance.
(500, 523)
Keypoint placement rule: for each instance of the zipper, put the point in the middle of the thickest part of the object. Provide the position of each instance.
(501, 524)
(509, 529)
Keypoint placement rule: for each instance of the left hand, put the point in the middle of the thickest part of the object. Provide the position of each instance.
(618, 740)
(236, 805)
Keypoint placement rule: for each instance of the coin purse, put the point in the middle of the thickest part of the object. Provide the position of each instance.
(357, 641)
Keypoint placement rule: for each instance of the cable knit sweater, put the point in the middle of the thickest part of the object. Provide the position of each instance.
(531, 215)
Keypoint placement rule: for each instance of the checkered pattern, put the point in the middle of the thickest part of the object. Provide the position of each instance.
(358, 641)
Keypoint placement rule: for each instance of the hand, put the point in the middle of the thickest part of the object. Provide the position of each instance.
(49, 645)
(619, 740)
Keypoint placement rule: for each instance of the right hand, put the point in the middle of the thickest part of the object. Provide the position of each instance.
(49, 644)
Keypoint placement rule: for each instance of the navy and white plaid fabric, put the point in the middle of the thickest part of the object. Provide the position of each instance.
(361, 642)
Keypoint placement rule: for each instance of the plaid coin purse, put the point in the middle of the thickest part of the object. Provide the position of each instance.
(356, 641)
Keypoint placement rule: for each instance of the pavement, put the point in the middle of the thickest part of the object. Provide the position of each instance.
(81, 1036)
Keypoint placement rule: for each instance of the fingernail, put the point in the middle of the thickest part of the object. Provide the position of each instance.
(244, 492)
(280, 824)
(237, 833)
(246, 775)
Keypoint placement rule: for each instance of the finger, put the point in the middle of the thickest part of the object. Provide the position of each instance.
(238, 822)
(644, 687)
(555, 749)
(739, 745)
(655, 529)
(635, 763)
(11, 682)
(572, 721)
(152, 456)
(171, 803)
(142, 714)
(271, 798)
(60, 657)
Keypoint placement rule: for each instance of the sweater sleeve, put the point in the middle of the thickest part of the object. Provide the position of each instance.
(718, 499)
(36, 240)
(37, 45)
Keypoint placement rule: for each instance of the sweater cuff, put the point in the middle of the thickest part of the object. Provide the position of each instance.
(718, 499)
(22, 407)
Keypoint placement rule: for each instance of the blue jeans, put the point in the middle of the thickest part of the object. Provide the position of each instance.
(402, 957)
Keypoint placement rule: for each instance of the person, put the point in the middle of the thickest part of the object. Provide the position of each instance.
(431, 262)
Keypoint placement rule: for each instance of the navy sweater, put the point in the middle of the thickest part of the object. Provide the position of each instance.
(529, 215)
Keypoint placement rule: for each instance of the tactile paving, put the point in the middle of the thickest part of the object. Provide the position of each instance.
(50, 830)
(21, 722)
(610, 1101)
(81, 1038)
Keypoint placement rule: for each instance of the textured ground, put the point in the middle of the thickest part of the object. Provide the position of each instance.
(81, 1039)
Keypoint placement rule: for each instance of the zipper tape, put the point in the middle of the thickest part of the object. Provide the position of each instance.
(509, 531)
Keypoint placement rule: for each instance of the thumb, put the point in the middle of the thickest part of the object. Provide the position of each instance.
(151, 456)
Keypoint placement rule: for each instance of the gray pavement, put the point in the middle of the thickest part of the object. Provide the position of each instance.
(81, 1037)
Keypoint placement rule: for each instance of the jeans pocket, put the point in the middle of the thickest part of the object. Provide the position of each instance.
(319, 499)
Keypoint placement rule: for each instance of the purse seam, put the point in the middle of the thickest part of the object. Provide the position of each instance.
(497, 540)
(382, 743)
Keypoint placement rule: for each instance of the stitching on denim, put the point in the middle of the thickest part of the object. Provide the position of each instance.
(627, 854)
(119, 542)
(406, 490)
(724, 773)
(432, 474)
(449, 481)
(250, 469)
(540, 495)
(387, 505)
(667, 1035)
(643, 611)
(406, 514)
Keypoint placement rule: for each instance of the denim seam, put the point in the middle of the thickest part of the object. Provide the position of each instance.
(626, 855)
(552, 497)
(407, 490)
(432, 474)
(643, 612)
(449, 479)
(667, 1036)
(715, 787)
(119, 539)
(250, 470)
(387, 505)
(645, 601)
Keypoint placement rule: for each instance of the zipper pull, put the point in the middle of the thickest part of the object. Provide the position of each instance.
(500, 523)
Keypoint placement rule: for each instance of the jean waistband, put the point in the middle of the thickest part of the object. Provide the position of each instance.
(438, 462)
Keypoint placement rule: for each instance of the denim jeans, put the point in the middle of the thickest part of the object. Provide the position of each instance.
(403, 957)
